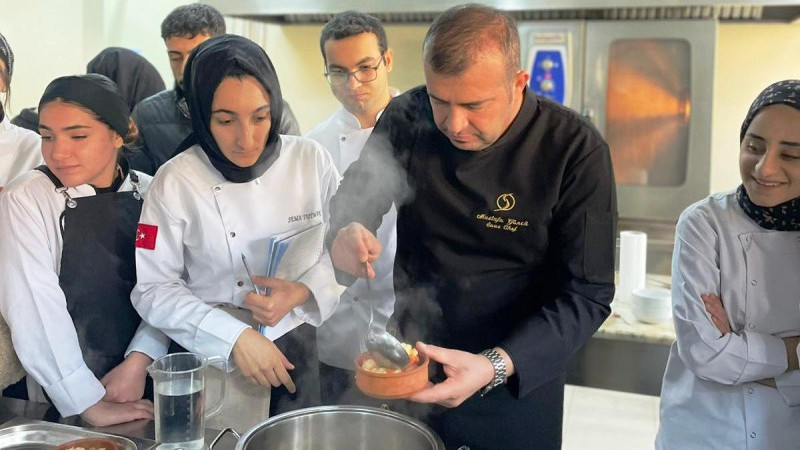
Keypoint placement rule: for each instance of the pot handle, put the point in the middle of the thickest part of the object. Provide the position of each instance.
(223, 433)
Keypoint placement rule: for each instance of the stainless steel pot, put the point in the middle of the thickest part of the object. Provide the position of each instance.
(338, 427)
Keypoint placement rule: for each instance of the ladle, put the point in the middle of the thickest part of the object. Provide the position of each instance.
(384, 348)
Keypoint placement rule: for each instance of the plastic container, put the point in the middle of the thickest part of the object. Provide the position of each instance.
(651, 305)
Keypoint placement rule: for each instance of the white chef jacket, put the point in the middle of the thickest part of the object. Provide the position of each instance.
(20, 150)
(341, 338)
(205, 223)
(709, 399)
(32, 302)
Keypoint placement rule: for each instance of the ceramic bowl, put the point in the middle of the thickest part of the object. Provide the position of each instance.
(391, 385)
(651, 305)
(89, 444)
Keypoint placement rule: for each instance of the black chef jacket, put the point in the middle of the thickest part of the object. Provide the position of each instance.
(512, 246)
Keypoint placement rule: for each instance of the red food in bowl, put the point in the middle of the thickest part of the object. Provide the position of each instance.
(391, 385)
(89, 444)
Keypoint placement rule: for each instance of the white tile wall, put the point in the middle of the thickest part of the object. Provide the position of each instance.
(600, 419)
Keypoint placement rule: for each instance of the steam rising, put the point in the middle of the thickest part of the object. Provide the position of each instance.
(369, 187)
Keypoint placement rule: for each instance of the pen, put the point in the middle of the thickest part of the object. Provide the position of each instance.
(250, 275)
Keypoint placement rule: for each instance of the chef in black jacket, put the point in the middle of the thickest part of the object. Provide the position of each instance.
(506, 221)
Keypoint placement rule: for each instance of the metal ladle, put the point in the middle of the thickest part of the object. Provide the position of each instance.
(384, 348)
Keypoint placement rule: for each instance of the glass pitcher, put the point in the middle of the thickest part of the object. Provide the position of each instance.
(179, 391)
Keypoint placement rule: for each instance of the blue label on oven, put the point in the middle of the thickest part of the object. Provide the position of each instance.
(547, 75)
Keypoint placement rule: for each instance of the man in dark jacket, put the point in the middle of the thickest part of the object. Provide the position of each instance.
(163, 119)
(506, 212)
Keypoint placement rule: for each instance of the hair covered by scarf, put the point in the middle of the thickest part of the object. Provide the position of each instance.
(94, 92)
(210, 63)
(136, 78)
(786, 92)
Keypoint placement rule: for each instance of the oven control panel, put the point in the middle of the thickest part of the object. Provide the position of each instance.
(547, 59)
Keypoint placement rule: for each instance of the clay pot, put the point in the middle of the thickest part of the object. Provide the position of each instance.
(391, 385)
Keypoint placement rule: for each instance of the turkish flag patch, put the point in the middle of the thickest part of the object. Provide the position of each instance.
(146, 236)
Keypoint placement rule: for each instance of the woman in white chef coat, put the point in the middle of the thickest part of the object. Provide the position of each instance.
(732, 379)
(20, 149)
(239, 183)
(67, 258)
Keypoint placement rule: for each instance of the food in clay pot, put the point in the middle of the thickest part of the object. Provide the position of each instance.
(374, 363)
(382, 382)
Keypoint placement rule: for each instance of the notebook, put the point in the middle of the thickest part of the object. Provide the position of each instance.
(289, 256)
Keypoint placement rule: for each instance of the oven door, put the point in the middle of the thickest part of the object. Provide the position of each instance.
(648, 89)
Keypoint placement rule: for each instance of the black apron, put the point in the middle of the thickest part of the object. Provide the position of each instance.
(98, 271)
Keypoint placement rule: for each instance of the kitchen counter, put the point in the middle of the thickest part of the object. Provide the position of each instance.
(622, 325)
(142, 432)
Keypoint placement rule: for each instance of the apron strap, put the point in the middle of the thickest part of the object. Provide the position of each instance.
(46, 170)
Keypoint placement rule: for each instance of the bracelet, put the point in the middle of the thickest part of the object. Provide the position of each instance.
(499, 365)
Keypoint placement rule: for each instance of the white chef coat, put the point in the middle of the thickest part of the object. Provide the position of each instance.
(205, 223)
(709, 398)
(32, 302)
(20, 150)
(341, 338)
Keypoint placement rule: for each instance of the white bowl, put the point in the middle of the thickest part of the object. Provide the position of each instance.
(651, 305)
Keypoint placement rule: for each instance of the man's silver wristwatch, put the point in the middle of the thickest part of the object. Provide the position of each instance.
(499, 365)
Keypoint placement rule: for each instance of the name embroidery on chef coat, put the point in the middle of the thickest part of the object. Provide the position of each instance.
(307, 216)
(505, 202)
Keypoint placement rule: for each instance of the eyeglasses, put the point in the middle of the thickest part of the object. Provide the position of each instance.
(362, 75)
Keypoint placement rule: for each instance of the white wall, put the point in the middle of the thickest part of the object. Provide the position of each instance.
(51, 38)
(135, 24)
(47, 39)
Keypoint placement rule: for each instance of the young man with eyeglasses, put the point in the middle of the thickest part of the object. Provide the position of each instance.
(357, 64)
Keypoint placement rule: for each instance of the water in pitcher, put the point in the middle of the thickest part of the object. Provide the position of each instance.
(179, 415)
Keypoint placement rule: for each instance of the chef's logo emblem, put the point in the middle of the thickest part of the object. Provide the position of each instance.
(506, 202)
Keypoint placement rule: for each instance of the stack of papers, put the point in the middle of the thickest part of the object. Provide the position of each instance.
(292, 253)
(289, 256)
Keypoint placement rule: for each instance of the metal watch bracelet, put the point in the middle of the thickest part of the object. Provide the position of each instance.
(499, 365)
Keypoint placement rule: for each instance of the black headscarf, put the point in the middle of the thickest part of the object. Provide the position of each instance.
(785, 216)
(786, 92)
(95, 92)
(136, 78)
(207, 66)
